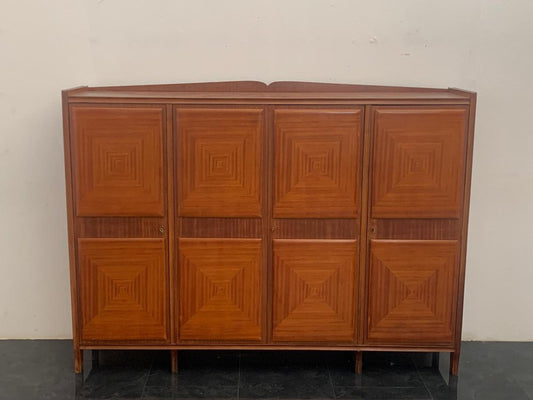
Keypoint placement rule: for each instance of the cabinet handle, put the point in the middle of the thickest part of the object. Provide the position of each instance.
(162, 229)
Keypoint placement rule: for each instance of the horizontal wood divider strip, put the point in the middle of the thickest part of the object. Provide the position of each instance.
(102, 227)
(221, 227)
(296, 228)
(421, 229)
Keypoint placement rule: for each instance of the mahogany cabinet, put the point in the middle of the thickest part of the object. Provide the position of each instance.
(239, 215)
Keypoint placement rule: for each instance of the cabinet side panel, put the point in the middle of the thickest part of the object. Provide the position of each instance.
(70, 222)
(464, 227)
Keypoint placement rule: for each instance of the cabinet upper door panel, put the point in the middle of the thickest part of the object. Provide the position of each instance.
(418, 162)
(220, 162)
(317, 163)
(118, 160)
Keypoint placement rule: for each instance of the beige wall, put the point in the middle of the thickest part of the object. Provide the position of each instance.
(482, 45)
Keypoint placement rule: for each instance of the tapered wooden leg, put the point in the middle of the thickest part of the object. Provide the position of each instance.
(78, 361)
(358, 362)
(454, 363)
(174, 361)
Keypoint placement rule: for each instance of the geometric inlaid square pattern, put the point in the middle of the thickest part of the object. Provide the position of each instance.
(418, 162)
(123, 289)
(220, 162)
(220, 289)
(412, 291)
(314, 291)
(316, 162)
(118, 161)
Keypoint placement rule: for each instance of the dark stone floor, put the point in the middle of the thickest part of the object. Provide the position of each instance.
(43, 369)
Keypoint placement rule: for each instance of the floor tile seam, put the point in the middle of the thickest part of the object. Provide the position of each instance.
(331, 379)
(518, 383)
(148, 376)
(239, 377)
(379, 387)
(422, 379)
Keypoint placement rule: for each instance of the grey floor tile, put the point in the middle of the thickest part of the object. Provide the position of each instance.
(35, 370)
(381, 393)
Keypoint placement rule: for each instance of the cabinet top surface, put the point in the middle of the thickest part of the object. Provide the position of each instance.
(251, 90)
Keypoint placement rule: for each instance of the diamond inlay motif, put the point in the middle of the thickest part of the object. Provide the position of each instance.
(314, 283)
(411, 291)
(317, 163)
(118, 161)
(220, 153)
(124, 295)
(220, 282)
(418, 162)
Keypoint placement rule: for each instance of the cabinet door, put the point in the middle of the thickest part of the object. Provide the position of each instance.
(220, 220)
(315, 224)
(220, 162)
(123, 289)
(117, 160)
(416, 196)
(317, 161)
(220, 289)
(120, 221)
(418, 162)
(412, 291)
(314, 290)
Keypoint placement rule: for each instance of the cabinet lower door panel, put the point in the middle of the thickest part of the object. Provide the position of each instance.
(412, 291)
(123, 287)
(314, 290)
(220, 289)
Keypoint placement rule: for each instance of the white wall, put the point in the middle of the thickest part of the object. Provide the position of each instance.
(482, 45)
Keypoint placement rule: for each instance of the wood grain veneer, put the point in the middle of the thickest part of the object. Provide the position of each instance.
(220, 289)
(317, 157)
(124, 295)
(314, 290)
(220, 170)
(294, 215)
(412, 291)
(118, 160)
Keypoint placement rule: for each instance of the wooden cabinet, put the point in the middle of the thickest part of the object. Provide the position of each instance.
(293, 215)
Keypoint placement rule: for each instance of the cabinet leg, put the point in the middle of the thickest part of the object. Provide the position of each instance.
(174, 361)
(454, 363)
(358, 362)
(78, 361)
